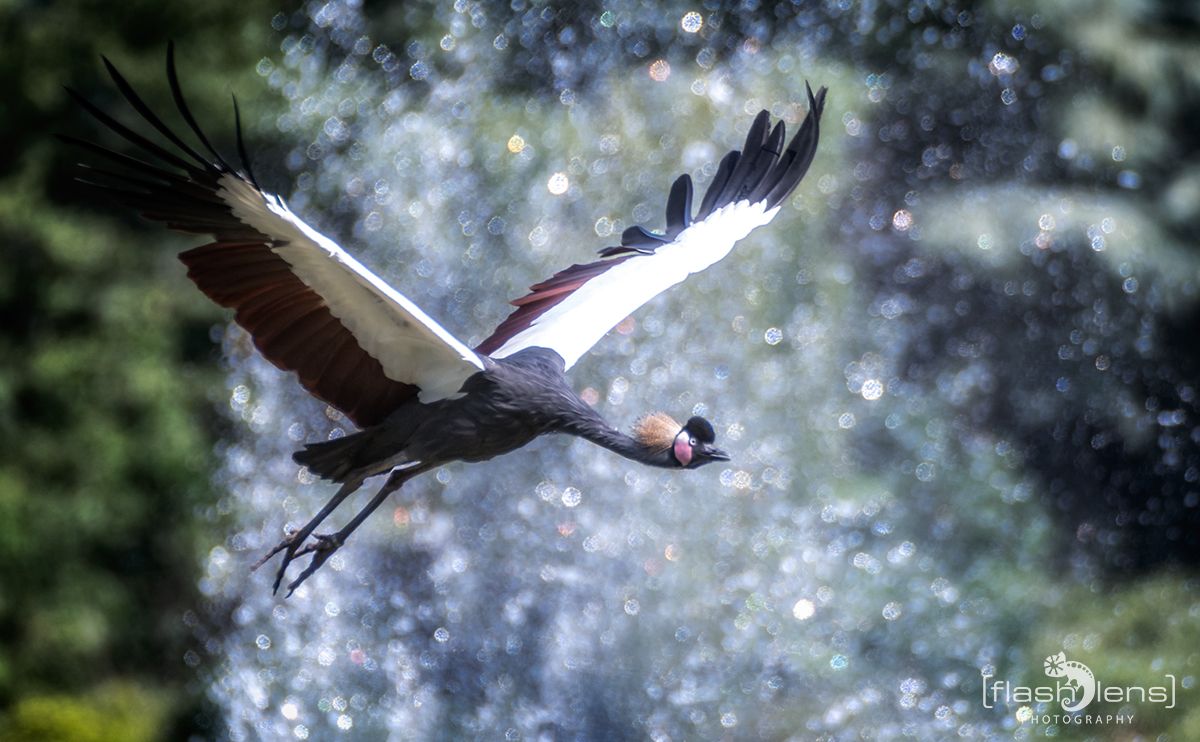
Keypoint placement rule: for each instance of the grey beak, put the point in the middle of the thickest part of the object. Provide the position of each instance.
(716, 454)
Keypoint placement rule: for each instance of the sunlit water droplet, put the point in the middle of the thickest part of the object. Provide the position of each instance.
(326, 656)
(1003, 64)
(539, 236)
(558, 184)
(571, 497)
(803, 609)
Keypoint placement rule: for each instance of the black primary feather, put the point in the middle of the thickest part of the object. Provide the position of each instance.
(749, 165)
(140, 106)
(181, 104)
(679, 206)
(133, 137)
(762, 171)
(638, 236)
(241, 145)
(709, 203)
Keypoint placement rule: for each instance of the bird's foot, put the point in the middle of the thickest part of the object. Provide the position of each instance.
(285, 543)
(296, 545)
(291, 544)
(321, 547)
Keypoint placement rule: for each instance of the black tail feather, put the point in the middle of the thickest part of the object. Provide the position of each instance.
(334, 459)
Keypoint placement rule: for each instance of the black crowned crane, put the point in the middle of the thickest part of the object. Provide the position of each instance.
(421, 397)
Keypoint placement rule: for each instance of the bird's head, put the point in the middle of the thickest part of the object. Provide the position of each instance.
(688, 446)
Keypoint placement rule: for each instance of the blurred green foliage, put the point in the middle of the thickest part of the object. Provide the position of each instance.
(1145, 631)
(115, 711)
(106, 430)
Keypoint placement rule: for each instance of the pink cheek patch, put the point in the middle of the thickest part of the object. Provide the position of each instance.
(683, 451)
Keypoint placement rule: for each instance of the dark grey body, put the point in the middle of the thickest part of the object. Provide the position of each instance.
(502, 408)
(505, 406)
(511, 402)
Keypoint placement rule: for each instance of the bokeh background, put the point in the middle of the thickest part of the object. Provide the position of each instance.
(957, 376)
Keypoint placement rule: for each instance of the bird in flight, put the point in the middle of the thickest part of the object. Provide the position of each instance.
(419, 395)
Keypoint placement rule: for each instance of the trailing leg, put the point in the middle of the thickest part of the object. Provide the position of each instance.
(292, 543)
(323, 545)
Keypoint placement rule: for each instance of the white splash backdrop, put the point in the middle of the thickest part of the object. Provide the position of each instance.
(851, 571)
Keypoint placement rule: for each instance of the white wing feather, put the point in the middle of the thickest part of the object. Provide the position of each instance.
(578, 322)
(410, 346)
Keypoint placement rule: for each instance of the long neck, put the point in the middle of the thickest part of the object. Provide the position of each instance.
(588, 424)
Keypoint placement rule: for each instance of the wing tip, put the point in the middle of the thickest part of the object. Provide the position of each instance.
(816, 103)
(759, 171)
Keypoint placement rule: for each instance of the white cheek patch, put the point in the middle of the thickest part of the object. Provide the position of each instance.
(683, 449)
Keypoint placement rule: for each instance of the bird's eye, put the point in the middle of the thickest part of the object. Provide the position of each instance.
(692, 442)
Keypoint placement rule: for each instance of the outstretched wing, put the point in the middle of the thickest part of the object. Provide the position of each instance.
(569, 312)
(354, 341)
